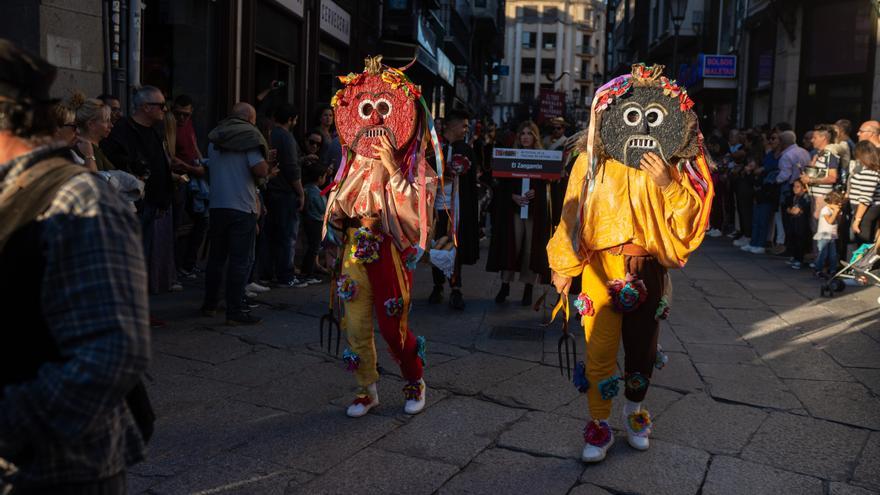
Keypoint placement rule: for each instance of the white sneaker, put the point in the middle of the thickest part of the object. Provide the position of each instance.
(255, 287)
(757, 250)
(250, 294)
(714, 233)
(742, 241)
(599, 438)
(367, 399)
(745, 247)
(638, 425)
(176, 287)
(415, 392)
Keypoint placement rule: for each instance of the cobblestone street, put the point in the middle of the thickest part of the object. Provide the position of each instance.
(769, 389)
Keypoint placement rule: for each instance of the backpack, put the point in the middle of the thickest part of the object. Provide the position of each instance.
(20, 204)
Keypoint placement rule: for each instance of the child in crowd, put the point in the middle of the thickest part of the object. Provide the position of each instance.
(826, 234)
(314, 175)
(798, 209)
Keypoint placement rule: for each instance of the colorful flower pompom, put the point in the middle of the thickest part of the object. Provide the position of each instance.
(636, 382)
(412, 391)
(639, 423)
(365, 249)
(422, 349)
(346, 287)
(661, 359)
(584, 305)
(597, 433)
(351, 359)
(580, 377)
(662, 309)
(394, 307)
(412, 259)
(609, 388)
(628, 294)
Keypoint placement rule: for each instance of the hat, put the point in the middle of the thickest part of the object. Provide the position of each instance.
(558, 121)
(23, 76)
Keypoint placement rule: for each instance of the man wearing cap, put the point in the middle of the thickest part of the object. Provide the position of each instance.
(556, 139)
(72, 271)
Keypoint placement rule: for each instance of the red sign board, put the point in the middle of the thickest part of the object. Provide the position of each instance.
(552, 104)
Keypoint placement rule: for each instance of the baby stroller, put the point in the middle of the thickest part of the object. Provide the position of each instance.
(864, 267)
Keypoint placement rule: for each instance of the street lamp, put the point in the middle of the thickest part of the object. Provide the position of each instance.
(677, 11)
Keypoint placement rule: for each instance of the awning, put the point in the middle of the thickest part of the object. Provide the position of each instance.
(399, 54)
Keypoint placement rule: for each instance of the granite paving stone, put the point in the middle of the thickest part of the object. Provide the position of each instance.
(201, 345)
(867, 473)
(805, 362)
(504, 471)
(312, 442)
(837, 488)
(666, 468)
(718, 353)
(542, 388)
(731, 475)
(309, 388)
(259, 367)
(855, 349)
(222, 473)
(842, 402)
(545, 434)
(678, 374)
(471, 374)
(868, 376)
(453, 431)
(588, 489)
(807, 446)
(698, 421)
(747, 384)
(697, 333)
(376, 471)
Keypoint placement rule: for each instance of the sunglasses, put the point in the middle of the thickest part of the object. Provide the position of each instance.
(160, 105)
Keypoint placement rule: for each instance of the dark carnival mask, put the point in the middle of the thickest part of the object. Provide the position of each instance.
(646, 112)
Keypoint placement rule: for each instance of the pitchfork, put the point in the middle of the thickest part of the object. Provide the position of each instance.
(566, 346)
(329, 321)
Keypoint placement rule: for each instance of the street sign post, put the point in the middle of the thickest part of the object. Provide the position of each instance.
(527, 163)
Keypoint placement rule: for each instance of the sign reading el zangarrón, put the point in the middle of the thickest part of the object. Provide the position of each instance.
(527, 163)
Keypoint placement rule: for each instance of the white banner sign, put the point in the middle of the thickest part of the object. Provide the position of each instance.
(335, 21)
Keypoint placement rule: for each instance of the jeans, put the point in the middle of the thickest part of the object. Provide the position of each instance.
(763, 214)
(193, 241)
(312, 230)
(282, 226)
(827, 255)
(231, 234)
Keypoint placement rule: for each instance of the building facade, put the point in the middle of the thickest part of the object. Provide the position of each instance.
(551, 47)
(223, 51)
(783, 64)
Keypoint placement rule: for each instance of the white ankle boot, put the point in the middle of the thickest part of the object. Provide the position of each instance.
(598, 438)
(367, 399)
(415, 392)
(638, 425)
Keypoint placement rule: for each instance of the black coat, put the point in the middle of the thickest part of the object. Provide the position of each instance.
(503, 254)
(468, 228)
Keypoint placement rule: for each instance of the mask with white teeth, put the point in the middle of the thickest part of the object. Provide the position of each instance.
(647, 119)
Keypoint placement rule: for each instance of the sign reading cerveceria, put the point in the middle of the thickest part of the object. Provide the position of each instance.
(527, 163)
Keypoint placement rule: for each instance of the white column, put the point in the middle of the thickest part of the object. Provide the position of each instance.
(560, 40)
(508, 60)
(539, 49)
(517, 60)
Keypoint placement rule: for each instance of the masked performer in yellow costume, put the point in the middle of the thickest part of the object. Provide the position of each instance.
(637, 204)
(380, 208)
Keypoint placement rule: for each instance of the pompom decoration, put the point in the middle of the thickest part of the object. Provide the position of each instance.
(412, 391)
(365, 249)
(421, 349)
(661, 359)
(412, 259)
(346, 287)
(639, 423)
(628, 294)
(351, 359)
(580, 377)
(662, 309)
(394, 307)
(597, 433)
(636, 382)
(584, 305)
(609, 388)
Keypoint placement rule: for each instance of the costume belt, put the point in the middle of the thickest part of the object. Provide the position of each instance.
(628, 249)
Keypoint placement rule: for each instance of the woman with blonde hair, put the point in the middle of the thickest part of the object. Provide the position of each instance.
(93, 125)
(520, 226)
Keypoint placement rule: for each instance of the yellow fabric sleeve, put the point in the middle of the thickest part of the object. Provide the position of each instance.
(561, 253)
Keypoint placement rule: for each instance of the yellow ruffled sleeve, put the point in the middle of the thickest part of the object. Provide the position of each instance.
(564, 251)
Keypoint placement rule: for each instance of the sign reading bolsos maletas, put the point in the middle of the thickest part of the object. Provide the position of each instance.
(527, 163)
(718, 66)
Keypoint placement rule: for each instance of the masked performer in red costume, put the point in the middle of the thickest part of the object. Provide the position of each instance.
(637, 204)
(380, 209)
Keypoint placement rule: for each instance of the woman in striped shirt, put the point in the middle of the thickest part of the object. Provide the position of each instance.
(865, 192)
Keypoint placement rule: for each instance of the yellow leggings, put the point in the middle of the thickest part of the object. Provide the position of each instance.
(603, 331)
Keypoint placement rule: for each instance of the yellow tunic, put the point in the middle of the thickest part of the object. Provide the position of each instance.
(624, 205)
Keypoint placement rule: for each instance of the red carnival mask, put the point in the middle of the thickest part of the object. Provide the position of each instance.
(379, 101)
